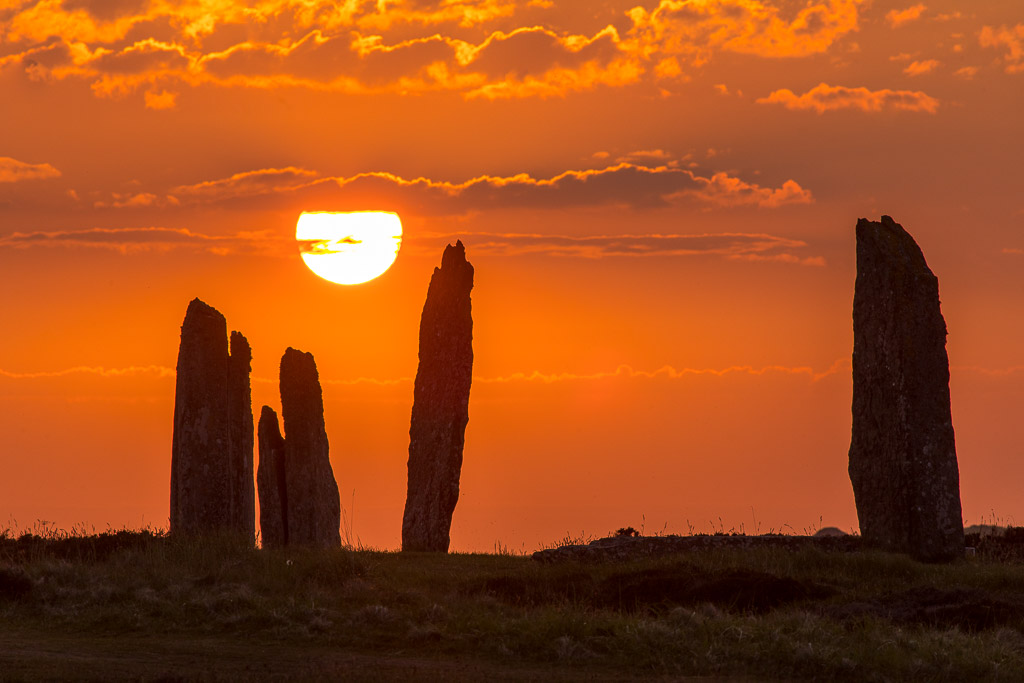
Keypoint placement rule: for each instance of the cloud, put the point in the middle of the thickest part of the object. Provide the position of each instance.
(697, 29)
(967, 72)
(142, 199)
(133, 240)
(622, 371)
(248, 183)
(1012, 39)
(13, 171)
(897, 18)
(649, 156)
(917, 68)
(824, 97)
(109, 21)
(160, 100)
(669, 372)
(733, 246)
(737, 246)
(1013, 250)
(158, 371)
(624, 184)
(400, 46)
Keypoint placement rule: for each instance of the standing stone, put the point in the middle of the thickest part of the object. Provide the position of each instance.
(299, 501)
(270, 480)
(902, 455)
(440, 410)
(211, 450)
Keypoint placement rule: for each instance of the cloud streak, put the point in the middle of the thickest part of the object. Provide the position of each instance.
(623, 184)
(736, 246)
(13, 171)
(400, 47)
(824, 97)
(132, 240)
(157, 371)
(897, 18)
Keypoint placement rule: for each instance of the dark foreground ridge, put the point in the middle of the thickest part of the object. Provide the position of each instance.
(626, 548)
(133, 605)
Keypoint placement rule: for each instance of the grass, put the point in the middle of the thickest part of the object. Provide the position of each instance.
(140, 605)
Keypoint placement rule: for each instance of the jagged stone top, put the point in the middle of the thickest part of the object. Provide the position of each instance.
(302, 404)
(295, 363)
(240, 349)
(201, 314)
(888, 240)
(454, 263)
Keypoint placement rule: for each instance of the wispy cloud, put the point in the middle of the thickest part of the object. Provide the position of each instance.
(13, 171)
(157, 371)
(897, 18)
(248, 183)
(129, 240)
(401, 46)
(1011, 40)
(737, 246)
(917, 68)
(696, 30)
(623, 184)
(840, 367)
(824, 97)
(622, 371)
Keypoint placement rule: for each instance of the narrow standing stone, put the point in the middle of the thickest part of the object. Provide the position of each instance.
(270, 479)
(903, 464)
(212, 442)
(440, 410)
(299, 501)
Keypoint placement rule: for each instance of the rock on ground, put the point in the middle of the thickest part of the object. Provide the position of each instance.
(440, 410)
(212, 442)
(903, 464)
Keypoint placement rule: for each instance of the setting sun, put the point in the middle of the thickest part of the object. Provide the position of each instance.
(349, 248)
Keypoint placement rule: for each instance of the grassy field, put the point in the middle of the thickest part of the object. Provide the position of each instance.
(139, 605)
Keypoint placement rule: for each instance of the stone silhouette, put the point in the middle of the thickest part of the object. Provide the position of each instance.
(440, 410)
(212, 443)
(299, 501)
(270, 480)
(903, 463)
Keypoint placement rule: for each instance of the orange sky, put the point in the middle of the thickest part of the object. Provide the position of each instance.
(659, 201)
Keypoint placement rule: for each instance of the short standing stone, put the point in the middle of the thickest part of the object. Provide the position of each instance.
(270, 480)
(299, 501)
(903, 464)
(212, 442)
(440, 410)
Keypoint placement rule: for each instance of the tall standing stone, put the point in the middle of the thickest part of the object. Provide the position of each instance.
(440, 410)
(212, 443)
(299, 501)
(903, 463)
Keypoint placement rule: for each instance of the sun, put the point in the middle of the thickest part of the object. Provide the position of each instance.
(349, 247)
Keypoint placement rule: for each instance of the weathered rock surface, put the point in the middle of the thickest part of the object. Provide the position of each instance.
(440, 410)
(299, 501)
(903, 463)
(212, 443)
